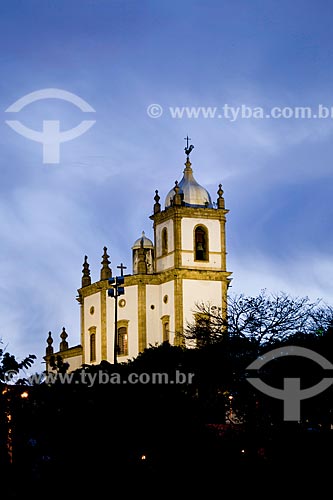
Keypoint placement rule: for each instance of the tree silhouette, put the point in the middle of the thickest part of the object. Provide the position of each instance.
(262, 319)
(10, 366)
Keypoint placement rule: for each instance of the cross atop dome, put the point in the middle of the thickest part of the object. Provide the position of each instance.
(188, 148)
(191, 193)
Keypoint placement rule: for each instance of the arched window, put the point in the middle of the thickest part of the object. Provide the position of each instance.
(166, 332)
(92, 342)
(165, 328)
(201, 243)
(164, 241)
(122, 341)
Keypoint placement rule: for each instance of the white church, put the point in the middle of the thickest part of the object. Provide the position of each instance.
(182, 265)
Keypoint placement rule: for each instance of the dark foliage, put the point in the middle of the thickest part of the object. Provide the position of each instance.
(209, 430)
(9, 365)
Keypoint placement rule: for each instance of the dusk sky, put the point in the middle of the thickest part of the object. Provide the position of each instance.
(120, 57)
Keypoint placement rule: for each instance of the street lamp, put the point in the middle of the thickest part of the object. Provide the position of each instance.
(116, 290)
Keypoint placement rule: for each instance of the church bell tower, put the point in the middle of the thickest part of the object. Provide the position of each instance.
(190, 246)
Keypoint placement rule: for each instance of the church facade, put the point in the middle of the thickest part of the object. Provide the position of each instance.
(183, 265)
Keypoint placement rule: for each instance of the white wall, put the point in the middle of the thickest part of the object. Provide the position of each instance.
(214, 261)
(92, 320)
(214, 237)
(153, 315)
(130, 313)
(214, 231)
(208, 292)
(168, 308)
(171, 246)
(75, 362)
(155, 295)
(167, 261)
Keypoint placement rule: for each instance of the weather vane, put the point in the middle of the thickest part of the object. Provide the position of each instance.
(188, 148)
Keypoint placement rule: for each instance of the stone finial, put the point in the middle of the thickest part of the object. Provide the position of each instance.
(220, 199)
(142, 266)
(86, 279)
(177, 199)
(63, 343)
(157, 205)
(106, 272)
(49, 349)
(188, 165)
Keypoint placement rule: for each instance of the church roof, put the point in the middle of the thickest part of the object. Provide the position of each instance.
(193, 194)
(143, 241)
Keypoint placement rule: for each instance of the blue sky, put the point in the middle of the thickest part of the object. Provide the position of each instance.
(120, 57)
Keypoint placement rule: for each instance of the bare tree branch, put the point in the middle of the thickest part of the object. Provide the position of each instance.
(262, 319)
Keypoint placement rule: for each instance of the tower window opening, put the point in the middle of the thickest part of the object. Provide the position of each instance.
(201, 243)
(165, 328)
(164, 241)
(92, 347)
(122, 341)
(166, 332)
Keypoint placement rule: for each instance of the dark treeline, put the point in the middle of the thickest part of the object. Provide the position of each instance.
(214, 420)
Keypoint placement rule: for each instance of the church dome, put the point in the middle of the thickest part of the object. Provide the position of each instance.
(143, 242)
(192, 193)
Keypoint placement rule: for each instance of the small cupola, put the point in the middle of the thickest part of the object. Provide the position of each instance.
(143, 255)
